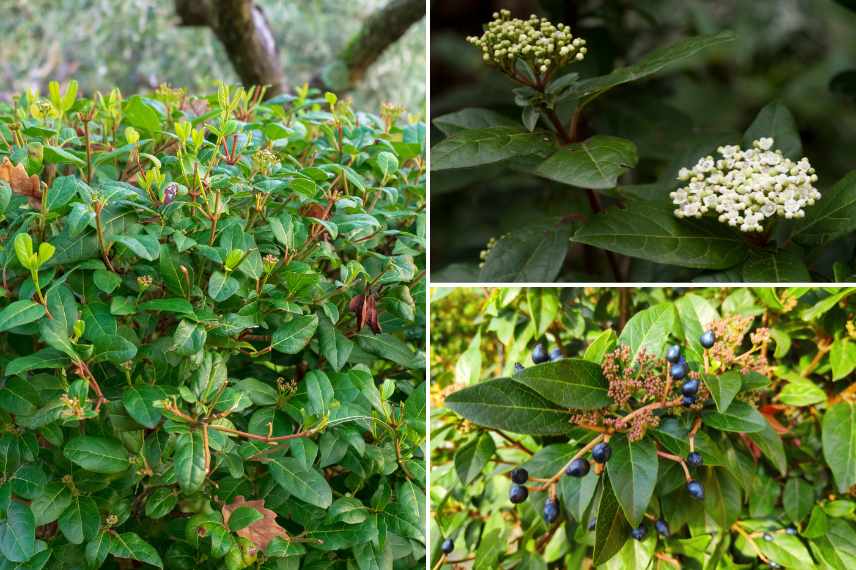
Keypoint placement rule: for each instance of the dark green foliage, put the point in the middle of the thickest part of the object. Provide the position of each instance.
(764, 445)
(212, 332)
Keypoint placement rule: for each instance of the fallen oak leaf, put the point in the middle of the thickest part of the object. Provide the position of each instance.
(263, 530)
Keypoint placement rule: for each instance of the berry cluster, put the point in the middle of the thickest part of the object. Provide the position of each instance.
(537, 41)
(640, 375)
(746, 187)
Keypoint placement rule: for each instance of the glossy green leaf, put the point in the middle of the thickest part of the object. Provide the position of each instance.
(740, 417)
(130, 545)
(474, 147)
(777, 122)
(509, 405)
(611, 529)
(294, 335)
(472, 457)
(595, 163)
(97, 454)
(80, 521)
(190, 461)
(18, 533)
(723, 388)
(839, 443)
(531, 254)
(569, 382)
(303, 483)
(20, 313)
(657, 235)
(633, 475)
(648, 330)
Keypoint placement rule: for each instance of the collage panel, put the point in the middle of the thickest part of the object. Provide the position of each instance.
(213, 246)
(631, 428)
(655, 141)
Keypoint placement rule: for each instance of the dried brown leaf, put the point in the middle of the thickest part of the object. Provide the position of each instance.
(260, 532)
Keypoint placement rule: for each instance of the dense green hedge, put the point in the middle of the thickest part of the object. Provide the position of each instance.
(762, 425)
(211, 332)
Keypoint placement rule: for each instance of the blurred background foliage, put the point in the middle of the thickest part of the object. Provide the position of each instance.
(795, 51)
(137, 45)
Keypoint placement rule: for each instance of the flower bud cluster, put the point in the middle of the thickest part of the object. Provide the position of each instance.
(642, 378)
(730, 333)
(543, 45)
(746, 187)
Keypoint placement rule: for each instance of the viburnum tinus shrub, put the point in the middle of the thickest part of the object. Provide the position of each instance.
(647, 429)
(720, 206)
(211, 334)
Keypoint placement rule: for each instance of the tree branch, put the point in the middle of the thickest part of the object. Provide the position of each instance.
(380, 30)
(243, 29)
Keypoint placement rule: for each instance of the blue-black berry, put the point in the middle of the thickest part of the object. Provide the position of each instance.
(592, 523)
(551, 511)
(555, 354)
(688, 401)
(767, 536)
(791, 530)
(518, 494)
(519, 475)
(662, 528)
(690, 387)
(601, 452)
(518, 368)
(448, 546)
(695, 490)
(578, 468)
(774, 564)
(673, 354)
(707, 339)
(679, 370)
(694, 459)
(539, 354)
(639, 532)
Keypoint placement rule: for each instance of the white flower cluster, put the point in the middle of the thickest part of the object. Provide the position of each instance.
(537, 41)
(746, 187)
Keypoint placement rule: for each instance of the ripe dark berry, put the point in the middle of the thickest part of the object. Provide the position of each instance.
(690, 387)
(688, 401)
(555, 354)
(601, 452)
(707, 339)
(768, 537)
(519, 475)
(539, 354)
(679, 370)
(448, 546)
(791, 530)
(518, 368)
(551, 511)
(592, 524)
(774, 564)
(695, 490)
(662, 528)
(673, 355)
(578, 468)
(518, 494)
(639, 532)
(694, 459)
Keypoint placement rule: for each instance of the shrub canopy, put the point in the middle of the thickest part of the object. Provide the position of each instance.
(211, 332)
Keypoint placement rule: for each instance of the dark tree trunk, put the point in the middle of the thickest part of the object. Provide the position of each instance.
(244, 32)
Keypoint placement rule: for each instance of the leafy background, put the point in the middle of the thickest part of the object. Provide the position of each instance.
(784, 51)
(137, 44)
(801, 474)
